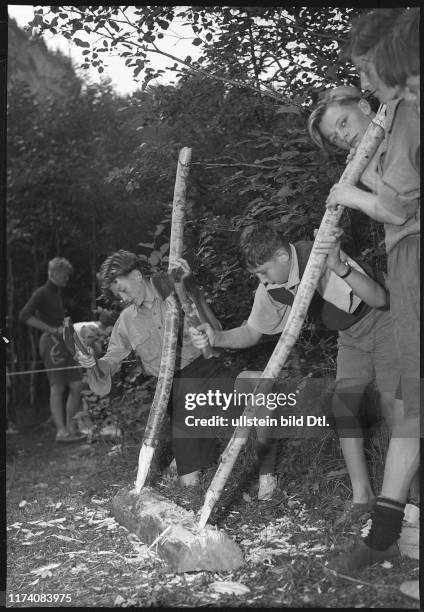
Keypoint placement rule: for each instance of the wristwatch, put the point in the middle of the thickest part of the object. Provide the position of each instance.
(348, 270)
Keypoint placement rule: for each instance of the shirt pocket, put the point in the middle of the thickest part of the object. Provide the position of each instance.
(147, 348)
(140, 338)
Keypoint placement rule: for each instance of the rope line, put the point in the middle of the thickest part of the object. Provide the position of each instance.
(55, 369)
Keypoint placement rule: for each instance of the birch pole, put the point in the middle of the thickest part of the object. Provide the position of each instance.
(352, 173)
(167, 363)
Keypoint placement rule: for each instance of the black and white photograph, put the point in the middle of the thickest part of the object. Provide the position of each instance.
(210, 311)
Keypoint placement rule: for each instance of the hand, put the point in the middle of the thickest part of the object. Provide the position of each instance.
(330, 245)
(85, 361)
(329, 240)
(179, 262)
(202, 336)
(351, 155)
(344, 194)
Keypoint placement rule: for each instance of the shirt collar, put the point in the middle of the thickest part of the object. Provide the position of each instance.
(293, 279)
(149, 301)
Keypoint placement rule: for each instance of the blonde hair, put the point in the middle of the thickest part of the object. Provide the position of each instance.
(343, 95)
(59, 263)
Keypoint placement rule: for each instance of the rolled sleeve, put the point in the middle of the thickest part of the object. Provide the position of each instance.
(101, 386)
(335, 290)
(119, 347)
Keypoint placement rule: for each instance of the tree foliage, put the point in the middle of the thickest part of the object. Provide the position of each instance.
(283, 52)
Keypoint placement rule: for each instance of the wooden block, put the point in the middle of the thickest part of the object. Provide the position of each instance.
(184, 547)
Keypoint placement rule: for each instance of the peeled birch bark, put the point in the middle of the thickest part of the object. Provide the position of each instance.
(352, 173)
(167, 363)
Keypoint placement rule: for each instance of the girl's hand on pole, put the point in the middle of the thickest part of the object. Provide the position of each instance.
(345, 195)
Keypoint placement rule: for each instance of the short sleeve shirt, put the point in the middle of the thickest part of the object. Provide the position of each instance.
(398, 166)
(269, 316)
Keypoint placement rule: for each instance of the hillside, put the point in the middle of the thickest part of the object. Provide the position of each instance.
(47, 73)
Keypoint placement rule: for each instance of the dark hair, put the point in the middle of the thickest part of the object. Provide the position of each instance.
(369, 28)
(120, 263)
(397, 55)
(260, 243)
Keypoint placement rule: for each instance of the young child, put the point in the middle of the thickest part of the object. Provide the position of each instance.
(351, 303)
(394, 200)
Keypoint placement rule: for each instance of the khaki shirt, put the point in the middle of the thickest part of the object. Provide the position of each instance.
(140, 329)
(398, 159)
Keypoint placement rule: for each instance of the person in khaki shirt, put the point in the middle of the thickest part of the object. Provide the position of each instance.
(140, 327)
(393, 178)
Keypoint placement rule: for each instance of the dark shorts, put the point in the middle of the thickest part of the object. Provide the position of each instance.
(195, 448)
(55, 355)
(403, 268)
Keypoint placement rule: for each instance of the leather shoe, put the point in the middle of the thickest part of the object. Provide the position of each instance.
(359, 556)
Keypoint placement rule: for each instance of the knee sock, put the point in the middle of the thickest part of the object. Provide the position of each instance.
(386, 523)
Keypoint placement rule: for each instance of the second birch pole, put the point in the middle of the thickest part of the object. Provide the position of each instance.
(169, 347)
(352, 173)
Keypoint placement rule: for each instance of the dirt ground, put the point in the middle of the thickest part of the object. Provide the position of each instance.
(66, 550)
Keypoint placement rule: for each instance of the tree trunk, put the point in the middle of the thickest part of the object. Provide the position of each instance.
(167, 364)
(10, 334)
(352, 173)
(93, 263)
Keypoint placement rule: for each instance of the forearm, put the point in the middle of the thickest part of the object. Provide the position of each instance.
(371, 206)
(237, 338)
(371, 292)
(38, 324)
(101, 386)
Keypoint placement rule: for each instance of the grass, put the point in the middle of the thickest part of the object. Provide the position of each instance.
(58, 515)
